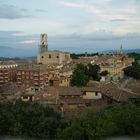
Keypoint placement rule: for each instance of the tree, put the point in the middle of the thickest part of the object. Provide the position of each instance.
(125, 116)
(133, 71)
(104, 73)
(93, 72)
(79, 78)
(28, 119)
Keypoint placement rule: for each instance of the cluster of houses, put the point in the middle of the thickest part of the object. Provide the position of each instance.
(47, 81)
(95, 94)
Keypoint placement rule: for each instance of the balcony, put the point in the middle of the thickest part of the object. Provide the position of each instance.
(36, 79)
(5, 73)
(6, 77)
(36, 84)
(19, 78)
(18, 73)
(41, 83)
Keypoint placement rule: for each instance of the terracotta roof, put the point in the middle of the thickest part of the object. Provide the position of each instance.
(134, 86)
(27, 94)
(113, 90)
(69, 91)
(49, 93)
(73, 91)
(73, 101)
(94, 84)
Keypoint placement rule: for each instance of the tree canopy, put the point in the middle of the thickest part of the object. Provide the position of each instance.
(79, 78)
(133, 71)
(38, 121)
(82, 74)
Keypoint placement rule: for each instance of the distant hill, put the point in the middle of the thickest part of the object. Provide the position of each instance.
(30, 53)
(126, 51)
(16, 52)
(133, 50)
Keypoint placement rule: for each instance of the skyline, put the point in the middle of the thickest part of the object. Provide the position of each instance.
(71, 25)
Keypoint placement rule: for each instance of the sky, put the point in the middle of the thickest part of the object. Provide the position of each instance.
(71, 25)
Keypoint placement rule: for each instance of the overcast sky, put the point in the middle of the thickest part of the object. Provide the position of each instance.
(71, 25)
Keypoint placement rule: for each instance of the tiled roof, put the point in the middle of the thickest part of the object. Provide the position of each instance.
(135, 87)
(69, 91)
(113, 90)
(73, 101)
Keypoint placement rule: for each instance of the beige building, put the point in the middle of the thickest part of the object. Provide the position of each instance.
(92, 95)
(51, 57)
(113, 70)
(60, 81)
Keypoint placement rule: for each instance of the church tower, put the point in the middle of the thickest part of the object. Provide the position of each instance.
(121, 50)
(43, 47)
(43, 43)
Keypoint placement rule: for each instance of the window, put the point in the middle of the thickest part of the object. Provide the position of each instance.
(42, 56)
(57, 56)
(49, 55)
(25, 97)
(96, 93)
(110, 100)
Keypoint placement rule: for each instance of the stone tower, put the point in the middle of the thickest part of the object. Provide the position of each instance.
(43, 46)
(43, 43)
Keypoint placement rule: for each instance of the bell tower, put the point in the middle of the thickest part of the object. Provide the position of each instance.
(43, 43)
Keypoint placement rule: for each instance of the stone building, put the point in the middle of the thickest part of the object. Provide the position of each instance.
(7, 73)
(51, 57)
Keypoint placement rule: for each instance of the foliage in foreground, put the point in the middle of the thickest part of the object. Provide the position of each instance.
(28, 119)
(34, 120)
(119, 120)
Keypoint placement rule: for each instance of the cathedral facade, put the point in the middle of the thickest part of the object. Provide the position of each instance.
(51, 57)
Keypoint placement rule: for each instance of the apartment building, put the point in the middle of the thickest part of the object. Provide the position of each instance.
(33, 77)
(7, 73)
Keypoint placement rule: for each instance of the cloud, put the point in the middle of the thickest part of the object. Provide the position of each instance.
(97, 41)
(12, 12)
(118, 20)
(100, 35)
(41, 10)
(30, 42)
(101, 1)
(14, 39)
(72, 4)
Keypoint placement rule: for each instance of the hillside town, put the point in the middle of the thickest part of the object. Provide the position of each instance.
(47, 80)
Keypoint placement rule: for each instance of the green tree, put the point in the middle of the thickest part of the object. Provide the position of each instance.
(124, 116)
(28, 119)
(133, 71)
(79, 78)
(104, 73)
(93, 72)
